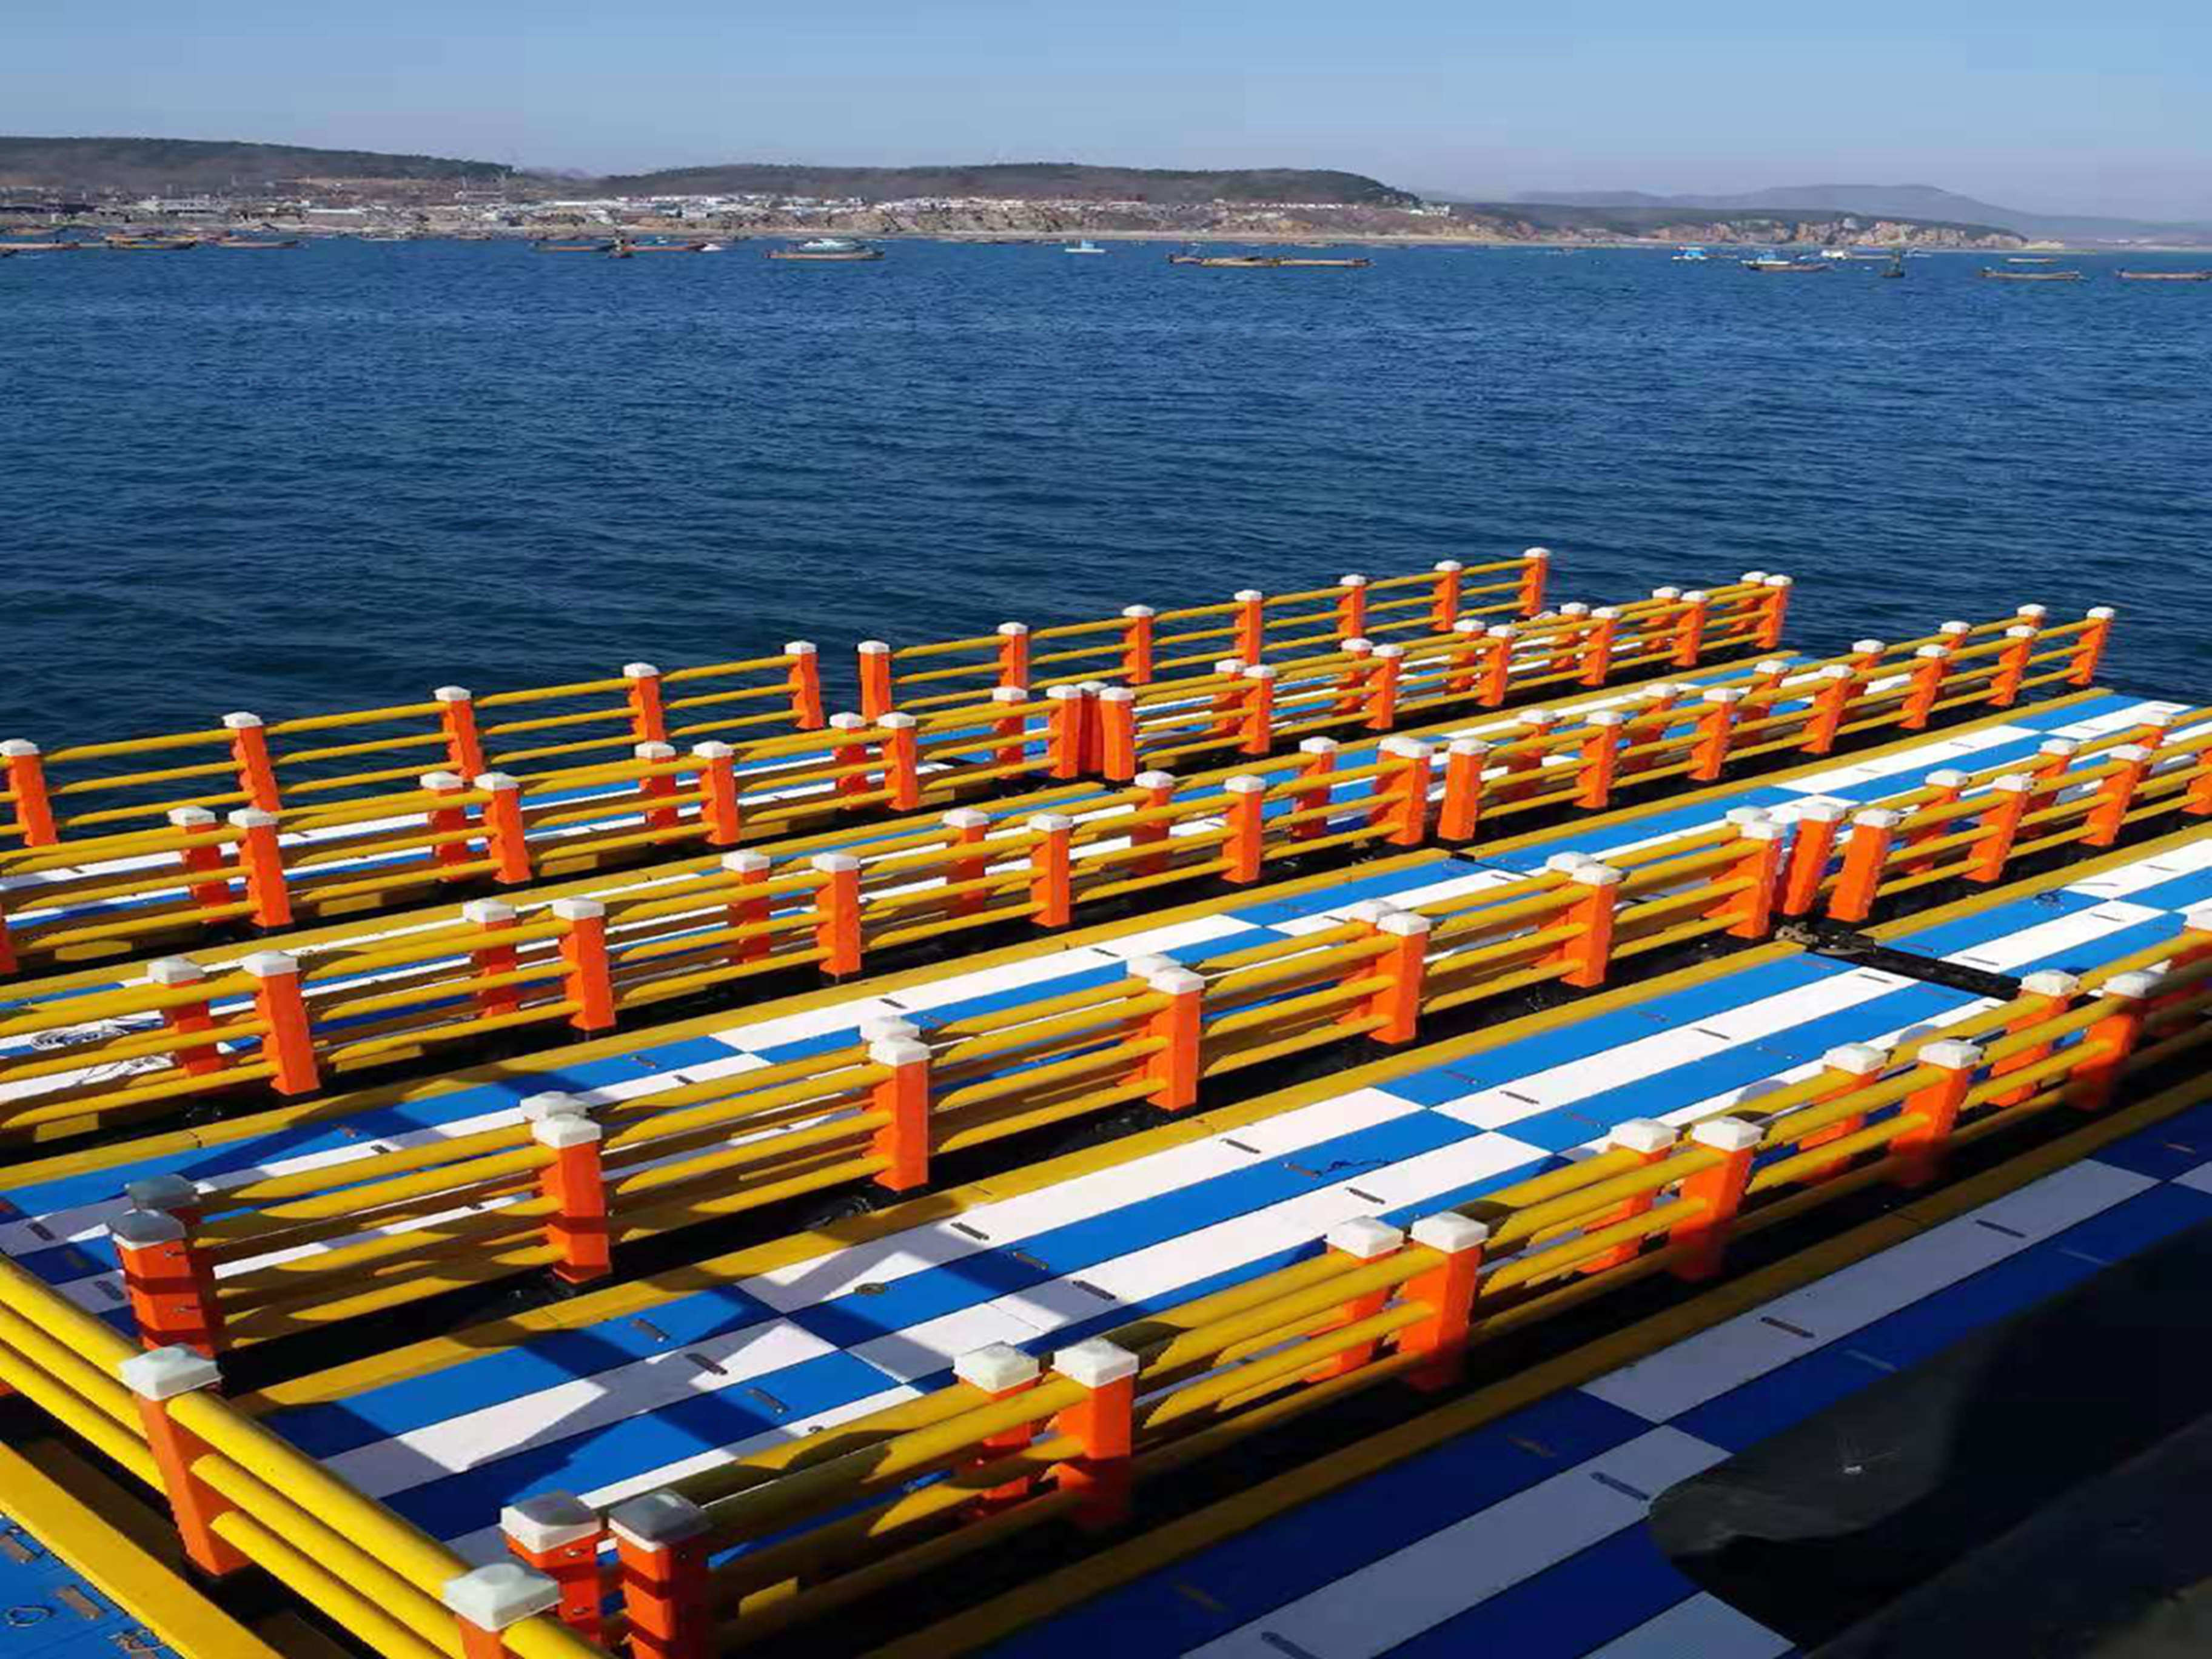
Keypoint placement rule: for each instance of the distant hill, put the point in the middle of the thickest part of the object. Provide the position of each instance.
(1687, 223)
(1017, 181)
(1897, 201)
(190, 166)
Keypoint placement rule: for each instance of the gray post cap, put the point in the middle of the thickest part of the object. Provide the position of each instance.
(503, 1594)
(165, 1373)
(162, 1192)
(657, 1520)
(550, 1520)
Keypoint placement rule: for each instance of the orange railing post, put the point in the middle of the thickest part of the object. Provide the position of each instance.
(27, 782)
(457, 720)
(1690, 630)
(874, 668)
(1352, 684)
(719, 808)
(1444, 596)
(648, 719)
(261, 857)
(1256, 713)
(1812, 843)
(1596, 660)
(1448, 1290)
(189, 1019)
(1648, 1141)
(1406, 811)
(1999, 827)
(1461, 813)
(575, 1184)
(655, 786)
(504, 832)
(803, 683)
(1180, 1028)
(1251, 625)
(1920, 1148)
(1463, 656)
(2094, 1082)
(901, 752)
(1601, 759)
(588, 977)
(749, 871)
(1758, 865)
(1013, 653)
(288, 1045)
(1064, 733)
(1496, 664)
(837, 904)
(1866, 857)
(1137, 644)
(661, 1545)
(156, 1378)
(902, 1097)
(1831, 701)
(2089, 650)
(1845, 1070)
(1930, 664)
(1052, 877)
(1351, 607)
(1103, 1425)
(2012, 665)
(1774, 612)
(854, 752)
(1712, 1196)
(249, 752)
(195, 821)
(1535, 570)
(1116, 708)
(1388, 668)
(1398, 1005)
(491, 918)
(2131, 764)
(169, 1281)
(2048, 993)
(1011, 730)
(1243, 853)
(1363, 1238)
(558, 1535)
(1716, 725)
(1585, 958)
(998, 1371)
(446, 820)
(1316, 763)
(1159, 789)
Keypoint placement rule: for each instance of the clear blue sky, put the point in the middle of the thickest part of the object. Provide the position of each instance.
(2082, 105)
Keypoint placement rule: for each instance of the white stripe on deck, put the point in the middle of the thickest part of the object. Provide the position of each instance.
(2185, 860)
(1367, 1612)
(1703, 1627)
(1708, 1365)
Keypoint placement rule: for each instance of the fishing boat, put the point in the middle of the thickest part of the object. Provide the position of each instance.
(570, 247)
(1691, 256)
(151, 244)
(2030, 260)
(1788, 267)
(1896, 268)
(1084, 247)
(827, 248)
(1337, 265)
(44, 247)
(248, 242)
(2031, 276)
(667, 247)
(2166, 276)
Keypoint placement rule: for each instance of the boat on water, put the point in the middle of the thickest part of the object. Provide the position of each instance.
(249, 242)
(1788, 267)
(2030, 260)
(151, 244)
(1264, 262)
(1084, 246)
(1895, 267)
(2031, 276)
(46, 247)
(1691, 256)
(666, 247)
(2166, 276)
(571, 247)
(828, 248)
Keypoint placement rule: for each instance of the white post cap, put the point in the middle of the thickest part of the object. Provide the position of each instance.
(1248, 595)
(1594, 874)
(1095, 1362)
(2100, 613)
(142, 1230)
(1388, 652)
(834, 864)
(1137, 612)
(1446, 567)
(2198, 918)
(271, 964)
(1877, 817)
(898, 1051)
(453, 694)
(2131, 987)
(445, 783)
(1574, 608)
(577, 909)
(1404, 748)
(165, 1373)
(1318, 746)
(2065, 746)
(487, 913)
(846, 720)
(496, 782)
(1537, 553)
(1155, 780)
(1450, 1232)
(1356, 646)
(1365, 1237)
(877, 1028)
(2020, 631)
(1858, 1059)
(1176, 981)
(1259, 670)
(800, 649)
(1051, 824)
(1728, 1134)
(175, 970)
(1753, 576)
(1474, 746)
(1743, 815)
(252, 817)
(712, 750)
(965, 817)
(1244, 784)
(1666, 592)
(1352, 581)
(18, 748)
(1781, 581)
(1013, 630)
(1945, 777)
(745, 863)
(2050, 982)
(1954, 628)
(1696, 596)
(242, 721)
(1725, 693)
(874, 647)
(894, 721)
(1642, 1135)
(559, 1134)
(1150, 963)
(1771, 667)
(996, 1368)
(553, 1103)
(1565, 864)
(653, 750)
(640, 670)
(2013, 783)
(190, 818)
(2032, 611)
(1403, 924)
(1010, 694)
(1063, 693)
(1950, 1055)
(550, 1520)
(657, 1520)
(1819, 809)
(1538, 718)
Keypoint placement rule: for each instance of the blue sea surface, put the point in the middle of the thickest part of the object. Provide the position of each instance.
(314, 480)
